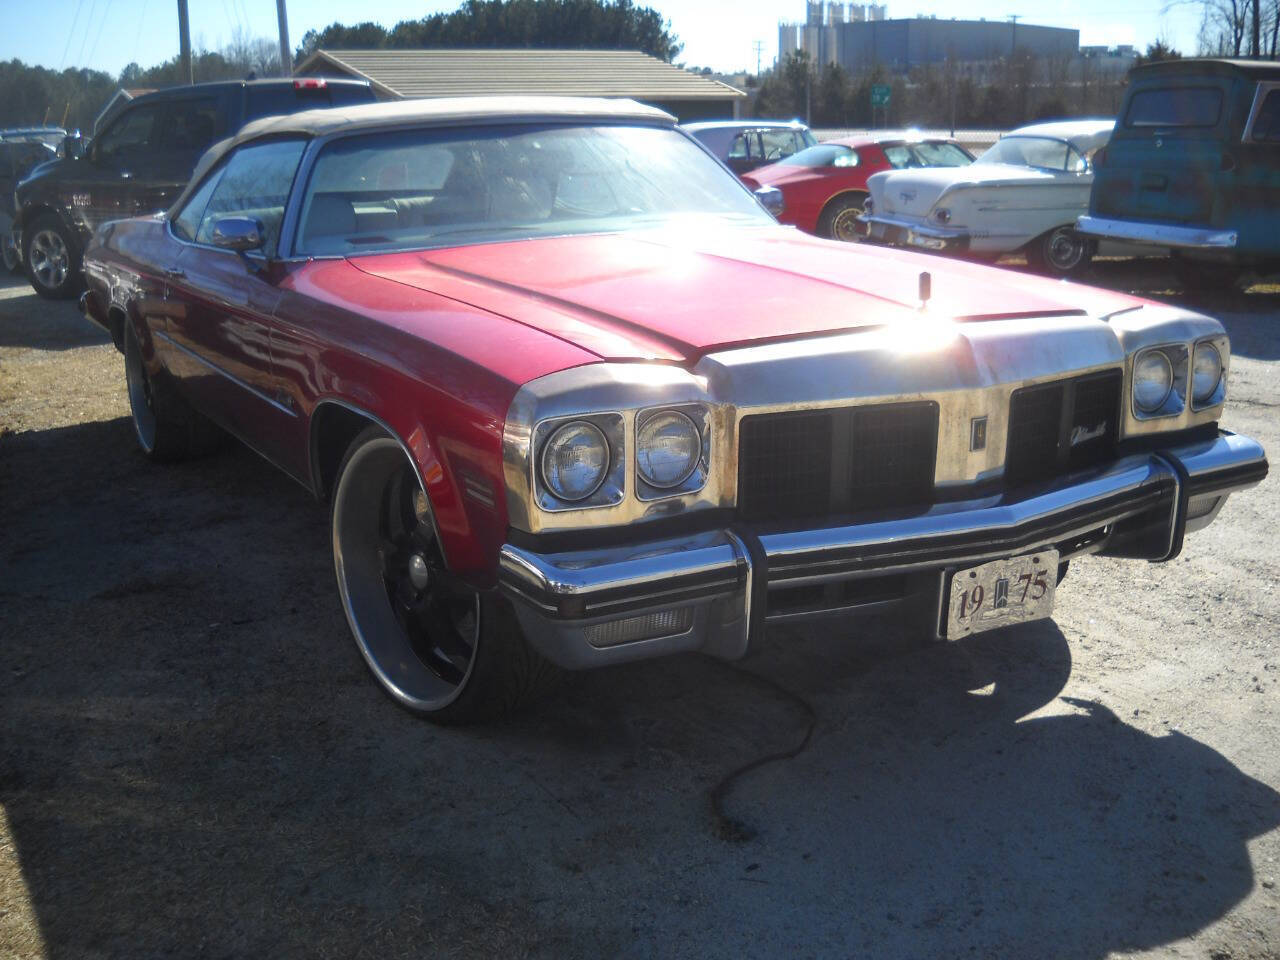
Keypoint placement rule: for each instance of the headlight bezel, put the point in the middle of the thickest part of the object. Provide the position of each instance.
(611, 489)
(1221, 345)
(700, 416)
(1177, 357)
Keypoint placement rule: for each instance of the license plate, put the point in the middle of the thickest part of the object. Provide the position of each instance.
(1001, 592)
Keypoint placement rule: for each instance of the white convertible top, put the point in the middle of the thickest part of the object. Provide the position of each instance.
(1084, 135)
(442, 111)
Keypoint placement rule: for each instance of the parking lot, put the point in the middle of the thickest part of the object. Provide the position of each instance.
(195, 761)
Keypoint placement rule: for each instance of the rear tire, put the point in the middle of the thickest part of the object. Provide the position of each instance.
(839, 219)
(440, 648)
(1061, 252)
(51, 258)
(167, 428)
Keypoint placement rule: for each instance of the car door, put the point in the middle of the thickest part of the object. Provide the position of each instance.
(103, 185)
(744, 152)
(222, 301)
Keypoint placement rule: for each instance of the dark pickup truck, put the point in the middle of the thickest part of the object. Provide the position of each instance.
(141, 161)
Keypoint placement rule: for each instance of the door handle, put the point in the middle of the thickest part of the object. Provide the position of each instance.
(125, 174)
(175, 273)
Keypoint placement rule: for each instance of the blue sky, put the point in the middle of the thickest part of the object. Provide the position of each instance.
(108, 34)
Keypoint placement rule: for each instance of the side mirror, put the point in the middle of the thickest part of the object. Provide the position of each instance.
(240, 234)
(72, 147)
(771, 199)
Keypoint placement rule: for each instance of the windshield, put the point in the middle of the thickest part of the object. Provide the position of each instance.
(822, 155)
(1042, 152)
(436, 187)
(926, 153)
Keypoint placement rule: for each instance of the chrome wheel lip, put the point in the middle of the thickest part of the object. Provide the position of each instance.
(363, 619)
(141, 396)
(1065, 250)
(50, 259)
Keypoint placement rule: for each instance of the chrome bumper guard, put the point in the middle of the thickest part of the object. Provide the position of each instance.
(711, 591)
(1158, 234)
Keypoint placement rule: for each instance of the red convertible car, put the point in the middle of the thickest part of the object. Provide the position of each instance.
(574, 398)
(824, 187)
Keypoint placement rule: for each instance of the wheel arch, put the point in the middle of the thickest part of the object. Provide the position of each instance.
(334, 425)
(839, 194)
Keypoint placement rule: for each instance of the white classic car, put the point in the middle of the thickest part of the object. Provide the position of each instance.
(1024, 194)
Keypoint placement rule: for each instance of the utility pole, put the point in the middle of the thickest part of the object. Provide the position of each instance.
(286, 59)
(1013, 33)
(184, 40)
(758, 44)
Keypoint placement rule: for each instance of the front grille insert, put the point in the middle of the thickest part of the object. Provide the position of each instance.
(1062, 426)
(824, 462)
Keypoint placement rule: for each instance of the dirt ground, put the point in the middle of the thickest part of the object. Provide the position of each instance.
(194, 761)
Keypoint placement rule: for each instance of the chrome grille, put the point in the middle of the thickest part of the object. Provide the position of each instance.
(823, 462)
(1056, 427)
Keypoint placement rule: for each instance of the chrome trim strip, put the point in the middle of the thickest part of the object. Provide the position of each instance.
(1158, 234)
(969, 531)
(223, 373)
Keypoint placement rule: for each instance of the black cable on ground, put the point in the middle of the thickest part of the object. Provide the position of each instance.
(729, 828)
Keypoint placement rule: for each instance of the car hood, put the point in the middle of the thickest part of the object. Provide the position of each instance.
(914, 192)
(675, 296)
(777, 174)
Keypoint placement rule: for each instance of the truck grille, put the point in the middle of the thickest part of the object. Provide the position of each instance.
(1056, 427)
(822, 462)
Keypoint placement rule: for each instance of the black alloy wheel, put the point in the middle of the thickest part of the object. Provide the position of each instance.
(438, 646)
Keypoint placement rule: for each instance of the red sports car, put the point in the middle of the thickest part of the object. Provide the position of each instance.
(825, 186)
(574, 398)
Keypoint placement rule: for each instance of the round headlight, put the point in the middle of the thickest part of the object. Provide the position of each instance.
(1206, 371)
(668, 447)
(1152, 381)
(942, 215)
(575, 460)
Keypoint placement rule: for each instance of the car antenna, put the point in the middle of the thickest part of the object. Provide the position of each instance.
(926, 289)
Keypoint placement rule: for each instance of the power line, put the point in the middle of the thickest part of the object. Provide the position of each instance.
(137, 38)
(96, 40)
(71, 32)
(92, 6)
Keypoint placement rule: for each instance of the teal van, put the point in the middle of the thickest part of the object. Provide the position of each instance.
(1194, 166)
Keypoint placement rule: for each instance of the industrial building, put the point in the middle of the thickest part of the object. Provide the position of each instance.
(857, 37)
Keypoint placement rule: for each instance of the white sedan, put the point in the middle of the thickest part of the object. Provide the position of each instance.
(1024, 194)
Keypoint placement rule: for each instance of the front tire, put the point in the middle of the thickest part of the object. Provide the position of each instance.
(51, 257)
(839, 219)
(1206, 277)
(439, 647)
(1061, 252)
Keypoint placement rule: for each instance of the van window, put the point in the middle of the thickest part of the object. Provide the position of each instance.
(1266, 125)
(1175, 107)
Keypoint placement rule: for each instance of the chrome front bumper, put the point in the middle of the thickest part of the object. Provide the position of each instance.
(713, 591)
(1158, 234)
(913, 233)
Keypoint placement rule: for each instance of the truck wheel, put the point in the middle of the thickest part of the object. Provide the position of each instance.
(1060, 253)
(439, 647)
(51, 256)
(839, 219)
(167, 427)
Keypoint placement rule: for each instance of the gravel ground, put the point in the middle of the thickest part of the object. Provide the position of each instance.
(195, 763)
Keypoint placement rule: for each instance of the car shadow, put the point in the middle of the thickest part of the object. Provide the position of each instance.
(195, 761)
(28, 321)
